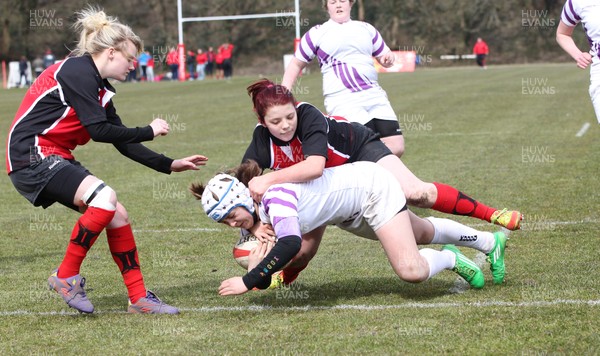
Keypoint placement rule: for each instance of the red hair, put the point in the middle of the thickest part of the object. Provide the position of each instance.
(265, 94)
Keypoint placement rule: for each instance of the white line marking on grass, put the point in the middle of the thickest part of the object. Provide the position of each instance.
(547, 222)
(583, 129)
(201, 229)
(361, 307)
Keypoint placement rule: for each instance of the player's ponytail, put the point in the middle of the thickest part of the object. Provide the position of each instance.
(98, 31)
(246, 171)
(264, 94)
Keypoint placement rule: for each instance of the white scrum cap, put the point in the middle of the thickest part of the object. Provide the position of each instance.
(223, 193)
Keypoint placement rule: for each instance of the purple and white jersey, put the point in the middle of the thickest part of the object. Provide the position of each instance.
(345, 53)
(359, 197)
(588, 13)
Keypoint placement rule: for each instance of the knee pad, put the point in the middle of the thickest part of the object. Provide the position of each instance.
(99, 195)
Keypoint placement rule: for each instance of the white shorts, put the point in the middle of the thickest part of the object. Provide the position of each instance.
(595, 86)
(361, 106)
(386, 200)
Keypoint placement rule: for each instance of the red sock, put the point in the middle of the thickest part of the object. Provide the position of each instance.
(84, 234)
(451, 201)
(122, 246)
(291, 273)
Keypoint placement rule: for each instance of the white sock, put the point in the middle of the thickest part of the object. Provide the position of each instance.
(452, 232)
(438, 260)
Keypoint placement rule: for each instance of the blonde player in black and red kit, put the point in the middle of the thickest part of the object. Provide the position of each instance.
(297, 142)
(69, 104)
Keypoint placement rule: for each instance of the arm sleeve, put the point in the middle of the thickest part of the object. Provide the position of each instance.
(307, 48)
(112, 129)
(284, 250)
(143, 155)
(569, 14)
(379, 46)
(313, 131)
(107, 132)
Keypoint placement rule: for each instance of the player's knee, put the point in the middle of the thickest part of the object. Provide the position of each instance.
(411, 274)
(395, 144)
(420, 195)
(121, 215)
(101, 196)
(411, 269)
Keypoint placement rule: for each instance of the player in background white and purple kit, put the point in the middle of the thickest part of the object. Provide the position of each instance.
(345, 51)
(361, 198)
(586, 12)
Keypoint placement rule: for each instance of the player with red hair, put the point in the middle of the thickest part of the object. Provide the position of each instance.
(298, 142)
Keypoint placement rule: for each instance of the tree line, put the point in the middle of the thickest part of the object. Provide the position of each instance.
(516, 31)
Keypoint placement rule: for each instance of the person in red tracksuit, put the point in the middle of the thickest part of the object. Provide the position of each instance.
(173, 63)
(69, 104)
(481, 51)
(225, 50)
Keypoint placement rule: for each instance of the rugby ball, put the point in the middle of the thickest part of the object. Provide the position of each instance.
(242, 249)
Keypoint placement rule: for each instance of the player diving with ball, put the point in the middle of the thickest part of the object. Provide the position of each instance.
(361, 198)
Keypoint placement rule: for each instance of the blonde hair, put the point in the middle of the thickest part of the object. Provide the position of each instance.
(97, 32)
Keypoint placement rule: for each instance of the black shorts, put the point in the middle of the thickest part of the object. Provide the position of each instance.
(369, 146)
(385, 128)
(51, 180)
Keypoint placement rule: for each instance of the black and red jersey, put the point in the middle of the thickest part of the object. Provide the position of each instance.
(59, 111)
(316, 134)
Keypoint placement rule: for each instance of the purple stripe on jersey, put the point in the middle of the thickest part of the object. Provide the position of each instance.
(323, 56)
(304, 55)
(360, 81)
(349, 76)
(278, 201)
(267, 202)
(343, 78)
(577, 17)
(310, 43)
(335, 68)
(376, 38)
(569, 13)
(379, 50)
(284, 190)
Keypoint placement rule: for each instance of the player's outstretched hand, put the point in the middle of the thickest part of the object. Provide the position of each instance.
(188, 163)
(160, 127)
(232, 286)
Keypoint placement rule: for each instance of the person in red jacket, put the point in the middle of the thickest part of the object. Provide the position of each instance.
(481, 51)
(225, 50)
(173, 63)
(201, 59)
(69, 104)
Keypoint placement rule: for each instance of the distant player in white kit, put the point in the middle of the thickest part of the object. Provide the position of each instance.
(359, 197)
(345, 50)
(586, 12)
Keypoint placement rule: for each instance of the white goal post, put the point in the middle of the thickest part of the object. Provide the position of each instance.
(181, 20)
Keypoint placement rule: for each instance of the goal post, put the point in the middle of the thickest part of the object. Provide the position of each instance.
(181, 20)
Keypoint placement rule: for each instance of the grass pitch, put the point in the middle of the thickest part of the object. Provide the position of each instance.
(506, 136)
